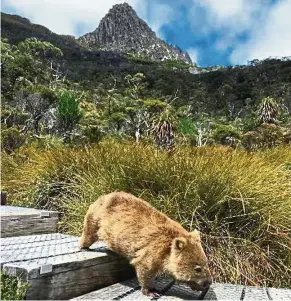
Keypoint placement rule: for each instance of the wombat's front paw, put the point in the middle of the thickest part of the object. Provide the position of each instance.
(84, 249)
(151, 293)
(195, 286)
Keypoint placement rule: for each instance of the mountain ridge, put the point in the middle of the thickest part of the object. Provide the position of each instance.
(121, 30)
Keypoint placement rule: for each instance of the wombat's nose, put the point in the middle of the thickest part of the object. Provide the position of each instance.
(206, 283)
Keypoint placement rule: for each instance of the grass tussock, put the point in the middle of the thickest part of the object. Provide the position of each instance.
(241, 202)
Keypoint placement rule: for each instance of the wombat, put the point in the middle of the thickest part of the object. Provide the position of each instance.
(153, 243)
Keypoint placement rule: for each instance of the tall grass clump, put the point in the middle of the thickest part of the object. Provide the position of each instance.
(241, 202)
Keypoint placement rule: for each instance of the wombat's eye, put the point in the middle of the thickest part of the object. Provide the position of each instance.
(198, 269)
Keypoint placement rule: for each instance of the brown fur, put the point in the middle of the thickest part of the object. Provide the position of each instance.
(152, 242)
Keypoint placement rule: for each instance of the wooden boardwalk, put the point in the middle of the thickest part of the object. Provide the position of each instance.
(130, 290)
(56, 269)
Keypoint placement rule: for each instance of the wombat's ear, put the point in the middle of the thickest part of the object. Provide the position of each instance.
(179, 243)
(195, 234)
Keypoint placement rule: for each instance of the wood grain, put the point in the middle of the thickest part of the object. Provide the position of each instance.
(27, 222)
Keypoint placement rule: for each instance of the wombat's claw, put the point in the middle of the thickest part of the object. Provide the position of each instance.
(151, 293)
(155, 295)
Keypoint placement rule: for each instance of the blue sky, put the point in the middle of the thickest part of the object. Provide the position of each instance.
(214, 32)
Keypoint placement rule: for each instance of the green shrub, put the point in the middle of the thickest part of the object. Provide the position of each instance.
(12, 288)
(188, 130)
(11, 139)
(223, 133)
(69, 112)
(12, 117)
(240, 201)
(92, 133)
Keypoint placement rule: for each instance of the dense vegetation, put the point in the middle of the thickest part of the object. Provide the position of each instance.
(240, 201)
(79, 123)
(38, 102)
(229, 91)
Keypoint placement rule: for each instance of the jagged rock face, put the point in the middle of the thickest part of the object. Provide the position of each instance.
(123, 31)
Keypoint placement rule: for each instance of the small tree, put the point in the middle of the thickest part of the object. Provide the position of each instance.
(165, 128)
(204, 125)
(27, 81)
(135, 110)
(69, 111)
(188, 130)
(36, 100)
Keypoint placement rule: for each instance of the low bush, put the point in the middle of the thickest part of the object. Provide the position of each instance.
(12, 288)
(223, 133)
(11, 139)
(265, 136)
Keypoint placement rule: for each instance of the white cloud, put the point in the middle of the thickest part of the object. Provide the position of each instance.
(223, 9)
(160, 15)
(272, 38)
(193, 52)
(234, 16)
(228, 18)
(63, 16)
(267, 26)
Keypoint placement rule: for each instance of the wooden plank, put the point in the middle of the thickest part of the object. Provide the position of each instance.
(19, 221)
(135, 295)
(10, 248)
(127, 290)
(27, 215)
(59, 264)
(14, 210)
(28, 239)
(72, 283)
(227, 291)
(39, 250)
(21, 227)
(160, 284)
(3, 197)
(114, 292)
(279, 293)
(255, 293)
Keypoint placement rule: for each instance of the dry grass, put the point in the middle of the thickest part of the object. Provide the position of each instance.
(240, 201)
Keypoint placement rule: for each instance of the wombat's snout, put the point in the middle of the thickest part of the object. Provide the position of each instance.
(205, 283)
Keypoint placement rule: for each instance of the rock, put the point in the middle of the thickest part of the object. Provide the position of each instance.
(121, 30)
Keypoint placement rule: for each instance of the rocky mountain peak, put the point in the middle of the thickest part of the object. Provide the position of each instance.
(121, 30)
(122, 7)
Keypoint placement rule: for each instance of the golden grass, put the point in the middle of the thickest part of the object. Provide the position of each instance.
(240, 201)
